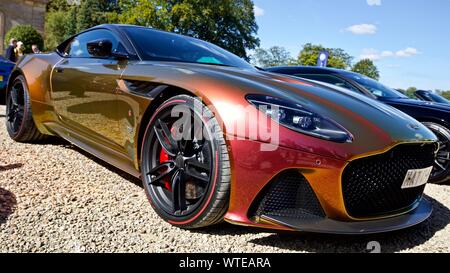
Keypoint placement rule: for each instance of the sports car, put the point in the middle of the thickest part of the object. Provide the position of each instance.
(435, 116)
(214, 138)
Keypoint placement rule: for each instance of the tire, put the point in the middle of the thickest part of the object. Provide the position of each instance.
(441, 170)
(187, 180)
(19, 117)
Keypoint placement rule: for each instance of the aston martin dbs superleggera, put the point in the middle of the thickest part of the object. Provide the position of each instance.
(213, 138)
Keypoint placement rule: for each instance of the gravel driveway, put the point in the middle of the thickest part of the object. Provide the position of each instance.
(56, 198)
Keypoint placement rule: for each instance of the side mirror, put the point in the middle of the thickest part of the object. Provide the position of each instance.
(100, 48)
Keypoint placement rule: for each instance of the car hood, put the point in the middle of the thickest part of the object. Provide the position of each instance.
(418, 103)
(374, 125)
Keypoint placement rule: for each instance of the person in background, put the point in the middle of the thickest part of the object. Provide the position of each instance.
(10, 52)
(19, 49)
(35, 49)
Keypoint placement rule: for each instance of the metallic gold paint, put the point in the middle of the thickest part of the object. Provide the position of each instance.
(91, 107)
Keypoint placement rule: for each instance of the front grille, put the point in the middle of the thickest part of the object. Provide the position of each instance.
(288, 195)
(372, 186)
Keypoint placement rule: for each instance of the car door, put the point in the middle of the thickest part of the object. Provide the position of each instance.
(84, 88)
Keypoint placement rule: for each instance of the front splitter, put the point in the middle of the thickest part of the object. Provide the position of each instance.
(326, 225)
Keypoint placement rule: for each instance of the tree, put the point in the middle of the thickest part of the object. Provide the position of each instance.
(27, 35)
(91, 13)
(64, 20)
(55, 28)
(274, 56)
(57, 5)
(446, 94)
(338, 58)
(229, 24)
(367, 68)
(410, 92)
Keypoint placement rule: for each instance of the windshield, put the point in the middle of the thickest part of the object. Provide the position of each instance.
(376, 88)
(435, 97)
(155, 45)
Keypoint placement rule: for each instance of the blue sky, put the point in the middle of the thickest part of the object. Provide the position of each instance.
(409, 40)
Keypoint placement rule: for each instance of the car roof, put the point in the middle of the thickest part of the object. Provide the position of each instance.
(306, 70)
(119, 27)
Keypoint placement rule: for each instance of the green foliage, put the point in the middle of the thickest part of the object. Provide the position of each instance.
(91, 13)
(229, 24)
(27, 35)
(446, 94)
(64, 20)
(149, 13)
(57, 5)
(55, 28)
(410, 92)
(274, 56)
(367, 68)
(338, 58)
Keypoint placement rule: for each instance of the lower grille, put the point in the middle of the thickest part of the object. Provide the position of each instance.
(288, 195)
(372, 186)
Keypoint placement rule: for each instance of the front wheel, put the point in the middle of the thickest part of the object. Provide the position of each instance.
(441, 168)
(185, 164)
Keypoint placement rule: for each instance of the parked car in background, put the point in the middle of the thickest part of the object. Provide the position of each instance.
(430, 96)
(5, 69)
(435, 116)
(119, 91)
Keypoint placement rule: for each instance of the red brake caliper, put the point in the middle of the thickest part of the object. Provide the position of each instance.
(164, 157)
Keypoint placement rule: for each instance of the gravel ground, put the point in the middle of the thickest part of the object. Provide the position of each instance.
(56, 198)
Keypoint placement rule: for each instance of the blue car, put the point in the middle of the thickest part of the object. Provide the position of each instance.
(5, 68)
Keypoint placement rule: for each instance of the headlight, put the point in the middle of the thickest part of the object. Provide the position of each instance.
(298, 118)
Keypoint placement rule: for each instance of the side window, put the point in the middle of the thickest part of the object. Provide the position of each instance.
(329, 79)
(77, 48)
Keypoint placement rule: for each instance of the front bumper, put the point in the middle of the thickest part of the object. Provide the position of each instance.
(255, 170)
(416, 216)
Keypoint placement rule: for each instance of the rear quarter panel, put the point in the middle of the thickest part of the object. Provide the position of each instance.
(37, 71)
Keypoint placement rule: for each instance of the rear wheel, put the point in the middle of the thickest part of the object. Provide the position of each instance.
(185, 164)
(441, 168)
(19, 118)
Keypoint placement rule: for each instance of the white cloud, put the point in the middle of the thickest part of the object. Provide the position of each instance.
(374, 2)
(387, 53)
(371, 54)
(258, 11)
(407, 52)
(376, 55)
(362, 29)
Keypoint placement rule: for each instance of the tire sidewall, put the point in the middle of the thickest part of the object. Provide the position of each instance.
(446, 132)
(192, 219)
(26, 108)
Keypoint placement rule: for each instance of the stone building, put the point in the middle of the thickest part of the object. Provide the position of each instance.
(20, 12)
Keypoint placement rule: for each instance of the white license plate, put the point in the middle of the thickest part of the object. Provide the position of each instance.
(416, 178)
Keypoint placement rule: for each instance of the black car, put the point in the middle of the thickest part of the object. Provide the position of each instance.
(435, 116)
(430, 96)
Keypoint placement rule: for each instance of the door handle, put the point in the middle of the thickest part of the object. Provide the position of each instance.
(59, 69)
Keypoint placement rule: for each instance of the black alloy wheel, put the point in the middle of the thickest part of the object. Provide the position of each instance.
(185, 165)
(15, 109)
(441, 168)
(19, 117)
